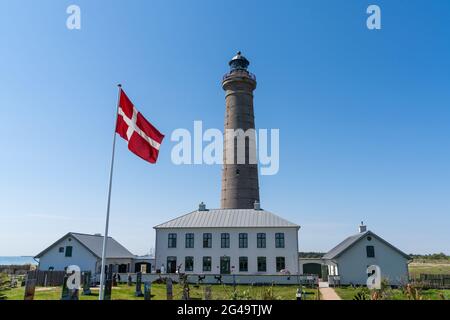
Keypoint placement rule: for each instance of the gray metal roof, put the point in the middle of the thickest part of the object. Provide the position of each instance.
(227, 218)
(94, 243)
(350, 241)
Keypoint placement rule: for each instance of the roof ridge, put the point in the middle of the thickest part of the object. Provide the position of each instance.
(88, 234)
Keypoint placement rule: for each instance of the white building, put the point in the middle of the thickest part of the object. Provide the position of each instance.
(85, 251)
(227, 241)
(348, 261)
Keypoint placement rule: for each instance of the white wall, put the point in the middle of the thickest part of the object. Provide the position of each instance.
(80, 257)
(234, 252)
(353, 263)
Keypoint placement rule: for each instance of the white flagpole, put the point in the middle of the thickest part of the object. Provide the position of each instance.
(105, 238)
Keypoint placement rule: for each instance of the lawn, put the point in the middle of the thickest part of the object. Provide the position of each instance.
(219, 292)
(348, 293)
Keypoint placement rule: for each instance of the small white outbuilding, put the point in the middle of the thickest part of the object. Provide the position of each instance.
(348, 261)
(85, 251)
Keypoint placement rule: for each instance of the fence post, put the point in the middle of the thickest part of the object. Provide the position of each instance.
(147, 291)
(169, 288)
(30, 285)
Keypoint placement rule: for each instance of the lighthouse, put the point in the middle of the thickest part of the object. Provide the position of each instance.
(240, 238)
(240, 188)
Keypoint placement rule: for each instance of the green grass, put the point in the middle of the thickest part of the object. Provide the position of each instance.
(219, 292)
(348, 293)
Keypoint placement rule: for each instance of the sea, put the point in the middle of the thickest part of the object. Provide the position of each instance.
(18, 260)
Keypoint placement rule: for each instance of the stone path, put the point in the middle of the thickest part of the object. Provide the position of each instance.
(327, 293)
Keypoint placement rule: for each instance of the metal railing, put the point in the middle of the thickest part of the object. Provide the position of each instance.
(239, 73)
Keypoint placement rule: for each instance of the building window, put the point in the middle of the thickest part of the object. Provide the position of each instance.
(243, 240)
(261, 240)
(206, 263)
(243, 264)
(279, 240)
(68, 251)
(61, 249)
(281, 263)
(189, 264)
(207, 240)
(225, 240)
(189, 240)
(370, 251)
(262, 267)
(172, 240)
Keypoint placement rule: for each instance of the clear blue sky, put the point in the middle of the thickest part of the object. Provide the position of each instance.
(364, 116)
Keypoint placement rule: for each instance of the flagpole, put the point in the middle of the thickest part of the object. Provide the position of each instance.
(105, 238)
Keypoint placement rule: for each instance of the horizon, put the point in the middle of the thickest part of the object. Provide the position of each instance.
(362, 115)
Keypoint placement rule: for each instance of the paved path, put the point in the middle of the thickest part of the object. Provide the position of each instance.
(327, 293)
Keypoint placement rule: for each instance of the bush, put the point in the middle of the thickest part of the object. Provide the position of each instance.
(4, 285)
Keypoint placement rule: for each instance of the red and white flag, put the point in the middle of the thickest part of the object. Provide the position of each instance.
(144, 140)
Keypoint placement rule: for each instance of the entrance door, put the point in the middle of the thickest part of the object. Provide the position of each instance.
(171, 264)
(225, 265)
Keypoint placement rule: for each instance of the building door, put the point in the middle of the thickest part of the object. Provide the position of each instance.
(225, 265)
(171, 264)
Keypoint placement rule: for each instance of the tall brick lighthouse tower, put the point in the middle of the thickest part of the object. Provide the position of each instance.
(240, 188)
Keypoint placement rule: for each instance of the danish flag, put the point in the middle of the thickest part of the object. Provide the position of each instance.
(144, 140)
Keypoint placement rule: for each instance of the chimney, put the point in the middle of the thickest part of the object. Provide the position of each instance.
(257, 205)
(362, 227)
(202, 207)
(98, 234)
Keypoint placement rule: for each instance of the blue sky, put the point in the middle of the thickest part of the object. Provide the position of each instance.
(363, 115)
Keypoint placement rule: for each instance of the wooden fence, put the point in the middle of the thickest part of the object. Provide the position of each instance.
(433, 281)
(49, 278)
